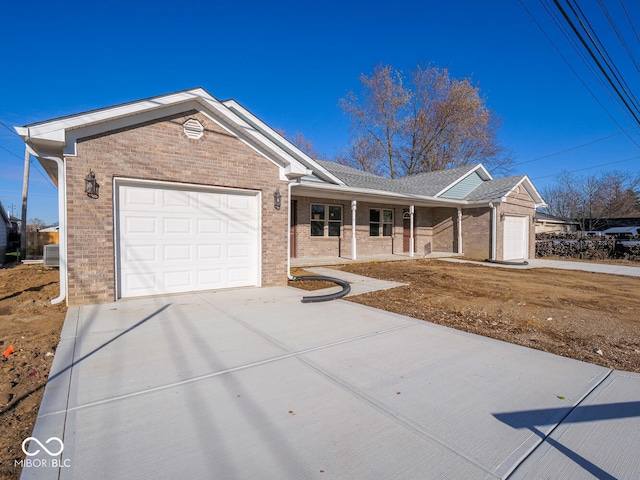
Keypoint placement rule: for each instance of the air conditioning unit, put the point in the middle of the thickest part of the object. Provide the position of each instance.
(51, 255)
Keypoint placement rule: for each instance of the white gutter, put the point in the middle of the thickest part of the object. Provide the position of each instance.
(289, 276)
(459, 230)
(494, 230)
(62, 220)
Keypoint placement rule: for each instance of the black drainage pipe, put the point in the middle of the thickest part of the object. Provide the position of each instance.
(346, 288)
(503, 262)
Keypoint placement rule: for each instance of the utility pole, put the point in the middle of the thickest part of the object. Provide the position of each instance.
(25, 191)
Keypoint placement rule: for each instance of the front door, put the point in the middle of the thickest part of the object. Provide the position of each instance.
(406, 232)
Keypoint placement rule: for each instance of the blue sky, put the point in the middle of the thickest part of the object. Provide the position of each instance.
(290, 63)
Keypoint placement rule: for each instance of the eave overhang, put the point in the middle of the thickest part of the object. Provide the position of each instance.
(343, 192)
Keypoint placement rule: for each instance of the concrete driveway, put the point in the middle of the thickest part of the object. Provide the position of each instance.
(253, 384)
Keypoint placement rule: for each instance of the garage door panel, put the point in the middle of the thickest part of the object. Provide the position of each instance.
(139, 198)
(211, 278)
(172, 253)
(140, 253)
(140, 225)
(209, 252)
(208, 226)
(178, 240)
(177, 281)
(176, 226)
(175, 198)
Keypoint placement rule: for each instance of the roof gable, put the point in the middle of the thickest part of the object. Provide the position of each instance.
(59, 136)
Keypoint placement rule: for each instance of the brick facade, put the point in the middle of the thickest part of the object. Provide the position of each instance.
(435, 229)
(159, 150)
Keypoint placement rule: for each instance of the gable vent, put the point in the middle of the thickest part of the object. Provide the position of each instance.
(193, 128)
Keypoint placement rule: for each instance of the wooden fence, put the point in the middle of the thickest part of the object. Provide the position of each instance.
(37, 240)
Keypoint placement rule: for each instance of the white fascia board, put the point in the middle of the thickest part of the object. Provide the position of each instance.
(48, 129)
(482, 172)
(299, 165)
(378, 195)
(537, 199)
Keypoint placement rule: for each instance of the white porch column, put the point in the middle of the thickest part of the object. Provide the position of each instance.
(459, 230)
(353, 229)
(411, 239)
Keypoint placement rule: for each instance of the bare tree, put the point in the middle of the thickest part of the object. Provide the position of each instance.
(299, 140)
(591, 198)
(35, 224)
(431, 123)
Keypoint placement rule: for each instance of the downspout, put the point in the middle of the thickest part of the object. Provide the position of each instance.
(411, 239)
(354, 250)
(494, 230)
(62, 220)
(460, 230)
(289, 185)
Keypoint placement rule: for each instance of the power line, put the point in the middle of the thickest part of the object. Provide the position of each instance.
(566, 61)
(624, 98)
(591, 167)
(9, 128)
(618, 34)
(36, 166)
(573, 148)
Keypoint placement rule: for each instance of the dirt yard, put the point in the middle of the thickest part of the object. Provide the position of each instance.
(32, 325)
(587, 316)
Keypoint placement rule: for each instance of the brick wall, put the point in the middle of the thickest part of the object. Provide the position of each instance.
(476, 233)
(159, 150)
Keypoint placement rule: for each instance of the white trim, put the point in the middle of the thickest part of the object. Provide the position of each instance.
(276, 138)
(126, 181)
(354, 211)
(411, 238)
(62, 223)
(531, 190)
(459, 230)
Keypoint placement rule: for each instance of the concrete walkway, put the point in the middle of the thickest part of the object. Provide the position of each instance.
(251, 383)
(611, 269)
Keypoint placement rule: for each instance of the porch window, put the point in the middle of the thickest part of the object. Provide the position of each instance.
(326, 220)
(380, 222)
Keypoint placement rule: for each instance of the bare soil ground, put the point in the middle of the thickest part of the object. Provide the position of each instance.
(587, 316)
(32, 325)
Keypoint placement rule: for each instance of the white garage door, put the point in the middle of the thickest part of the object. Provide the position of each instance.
(174, 240)
(516, 238)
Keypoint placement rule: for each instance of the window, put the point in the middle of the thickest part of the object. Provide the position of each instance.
(380, 222)
(326, 220)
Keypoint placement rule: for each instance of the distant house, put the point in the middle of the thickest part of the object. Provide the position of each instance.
(5, 228)
(199, 194)
(546, 223)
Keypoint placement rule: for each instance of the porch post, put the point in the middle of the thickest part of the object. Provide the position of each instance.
(353, 229)
(411, 239)
(459, 230)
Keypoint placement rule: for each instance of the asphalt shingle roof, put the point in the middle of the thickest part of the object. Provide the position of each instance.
(426, 184)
